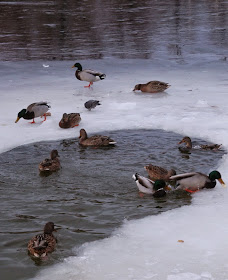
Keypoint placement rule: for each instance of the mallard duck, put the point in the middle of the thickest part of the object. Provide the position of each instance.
(50, 164)
(188, 145)
(42, 244)
(91, 104)
(96, 140)
(87, 75)
(34, 110)
(195, 181)
(145, 185)
(70, 120)
(159, 173)
(152, 87)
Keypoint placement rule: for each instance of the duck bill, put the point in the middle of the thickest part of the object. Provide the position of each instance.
(180, 142)
(17, 119)
(168, 188)
(73, 66)
(222, 183)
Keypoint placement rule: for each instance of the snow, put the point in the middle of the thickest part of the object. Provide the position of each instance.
(195, 105)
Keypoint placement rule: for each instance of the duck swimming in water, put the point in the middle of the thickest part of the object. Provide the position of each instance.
(34, 110)
(152, 87)
(43, 244)
(145, 185)
(50, 164)
(188, 145)
(159, 173)
(195, 181)
(88, 75)
(95, 140)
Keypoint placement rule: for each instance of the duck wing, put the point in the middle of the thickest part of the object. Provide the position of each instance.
(39, 108)
(99, 140)
(144, 184)
(93, 72)
(192, 181)
(41, 245)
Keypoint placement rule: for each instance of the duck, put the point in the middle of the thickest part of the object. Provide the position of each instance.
(33, 111)
(95, 140)
(43, 244)
(51, 164)
(70, 120)
(90, 104)
(159, 173)
(152, 87)
(88, 75)
(156, 188)
(195, 181)
(188, 145)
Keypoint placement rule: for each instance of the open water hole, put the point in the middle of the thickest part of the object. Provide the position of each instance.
(90, 196)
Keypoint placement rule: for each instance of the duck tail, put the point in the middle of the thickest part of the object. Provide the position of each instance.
(112, 143)
(102, 76)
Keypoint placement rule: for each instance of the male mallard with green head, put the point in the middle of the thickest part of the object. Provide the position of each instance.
(195, 181)
(50, 164)
(145, 185)
(43, 244)
(34, 110)
(152, 87)
(95, 140)
(70, 120)
(159, 173)
(88, 75)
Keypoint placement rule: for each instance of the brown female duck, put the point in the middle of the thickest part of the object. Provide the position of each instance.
(70, 120)
(50, 164)
(43, 244)
(159, 173)
(152, 87)
(95, 140)
(188, 145)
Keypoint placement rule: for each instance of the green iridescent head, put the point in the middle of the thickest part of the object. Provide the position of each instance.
(77, 65)
(214, 175)
(159, 184)
(20, 115)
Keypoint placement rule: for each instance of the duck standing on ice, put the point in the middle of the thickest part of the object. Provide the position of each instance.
(88, 75)
(34, 110)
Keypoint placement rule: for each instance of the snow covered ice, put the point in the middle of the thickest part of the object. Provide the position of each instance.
(195, 105)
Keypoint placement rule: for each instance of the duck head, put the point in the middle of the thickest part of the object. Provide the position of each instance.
(20, 115)
(77, 65)
(83, 134)
(137, 87)
(49, 228)
(216, 175)
(187, 140)
(54, 154)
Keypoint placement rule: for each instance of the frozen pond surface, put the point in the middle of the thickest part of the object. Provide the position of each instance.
(180, 42)
(90, 196)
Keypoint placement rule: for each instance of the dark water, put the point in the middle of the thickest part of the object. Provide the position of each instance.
(89, 197)
(112, 28)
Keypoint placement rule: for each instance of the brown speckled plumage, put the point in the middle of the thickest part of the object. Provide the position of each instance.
(159, 173)
(188, 145)
(70, 120)
(96, 140)
(50, 164)
(152, 87)
(43, 244)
